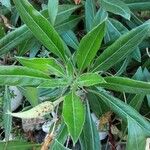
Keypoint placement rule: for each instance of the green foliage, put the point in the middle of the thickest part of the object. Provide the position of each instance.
(77, 60)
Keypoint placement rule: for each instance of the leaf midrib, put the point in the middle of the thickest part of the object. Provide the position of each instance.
(41, 29)
(118, 51)
(90, 48)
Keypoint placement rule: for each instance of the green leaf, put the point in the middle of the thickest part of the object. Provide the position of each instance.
(123, 110)
(122, 47)
(64, 12)
(59, 146)
(68, 24)
(31, 94)
(89, 46)
(70, 38)
(138, 4)
(89, 79)
(46, 33)
(136, 101)
(52, 10)
(117, 7)
(90, 11)
(100, 17)
(136, 136)
(14, 38)
(47, 65)
(2, 30)
(7, 119)
(114, 30)
(74, 115)
(61, 136)
(17, 75)
(89, 138)
(97, 105)
(17, 145)
(126, 85)
(22, 33)
(54, 83)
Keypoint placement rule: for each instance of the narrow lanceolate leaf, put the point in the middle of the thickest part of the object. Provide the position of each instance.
(7, 119)
(138, 4)
(14, 38)
(46, 33)
(123, 110)
(89, 138)
(122, 47)
(136, 136)
(117, 7)
(54, 83)
(126, 85)
(74, 115)
(47, 65)
(22, 33)
(52, 10)
(17, 75)
(90, 11)
(89, 46)
(89, 79)
(37, 111)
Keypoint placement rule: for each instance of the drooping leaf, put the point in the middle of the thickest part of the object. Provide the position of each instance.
(46, 33)
(89, 79)
(47, 65)
(90, 11)
(89, 46)
(122, 47)
(123, 110)
(37, 111)
(53, 10)
(74, 115)
(126, 85)
(89, 138)
(116, 7)
(136, 136)
(22, 76)
(7, 119)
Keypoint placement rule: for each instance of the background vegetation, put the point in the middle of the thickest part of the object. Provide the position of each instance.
(80, 66)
